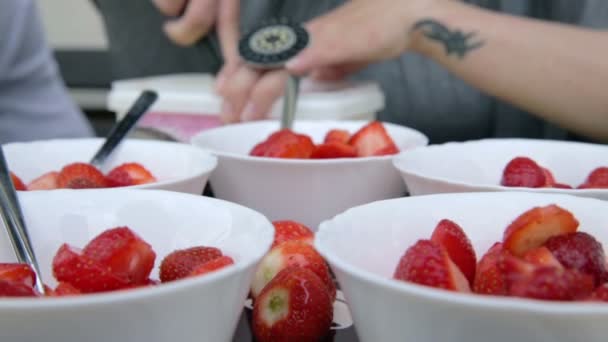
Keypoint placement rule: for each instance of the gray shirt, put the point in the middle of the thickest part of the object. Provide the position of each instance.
(34, 103)
(420, 93)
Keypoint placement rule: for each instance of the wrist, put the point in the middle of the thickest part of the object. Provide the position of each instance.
(431, 10)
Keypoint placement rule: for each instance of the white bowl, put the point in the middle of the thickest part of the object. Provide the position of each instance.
(204, 308)
(308, 191)
(478, 165)
(178, 167)
(364, 244)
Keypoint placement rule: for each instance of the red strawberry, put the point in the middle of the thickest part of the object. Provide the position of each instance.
(289, 231)
(15, 289)
(180, 263)
(523, 172)
(582, 252)
(124, 252)
(81, 176)
(388, 150)
(550, 283)
(489, 278)
(333, 150)
(18, 183)
(371, 139)
(129, 174)
(337, 135)
(549, 179)
(212, 265)
(47, 181)
(291, 254)
(285, 144)
(600, 294)
(597, 179)
(65, 289)
(561, 186)
(457, 244)
(294, 306)
(84, 273)
(542, 256)
(428, 263)
(537, 225)
(19, 273)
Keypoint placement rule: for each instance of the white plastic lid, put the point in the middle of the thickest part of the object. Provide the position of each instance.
(194, 94)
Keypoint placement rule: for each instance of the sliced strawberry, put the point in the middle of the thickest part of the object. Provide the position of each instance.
(451, 236)
(561, 186)
(212, 265)
(84, 273)
(124, 252)
(428, 263)
(180, 263)
(371, 139)
(338, 136)
(523, 172)
(333, 150)
(489, 278)
(285, 144)
(387, 151)
(15, 289)
(47, 181)
(129, 174)
(537, 225)
(18, 183)
(294, 306)
(290, 231)
(600, 294)
(550, 283)
(19, 273)
(81, 176)
(65, 289)
(542, 256)
(582, 252)
(597, 179)
(549, 179)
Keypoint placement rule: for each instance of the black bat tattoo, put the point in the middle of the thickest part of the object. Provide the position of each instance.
(455, 41)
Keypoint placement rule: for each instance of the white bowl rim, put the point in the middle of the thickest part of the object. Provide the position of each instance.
(202, 168)
(445, 297)
(399, 161)
(292, 161)
(121, 296)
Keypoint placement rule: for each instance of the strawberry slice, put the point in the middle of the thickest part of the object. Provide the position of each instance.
(387, 151)
(84, 273)
(285, 144)
(17, 182)
(561, 186)
(129, 174)
(537, 225)
(451, 236)
(15, 289)
(582, 252)
(549, 179)
(523, 172)
(212, 265)
(290, 231)
(338, 136)
(18, 273)
(47, 181)
(81, 176)
(124, 252)
(489, 278)
(428, 263)
(542, 256)
(372, 139)
(333, 150)
(597, 179)
(64, 289)
(180, 263)
(600, 294)
(550, 283)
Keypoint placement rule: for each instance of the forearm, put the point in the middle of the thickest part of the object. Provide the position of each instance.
(555, 71)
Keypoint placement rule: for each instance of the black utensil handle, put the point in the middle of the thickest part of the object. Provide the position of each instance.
(124, 126)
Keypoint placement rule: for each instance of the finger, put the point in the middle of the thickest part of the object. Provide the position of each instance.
(228, 28)
(196, 22)
(171, 8)
(228, 69)
(263, 96)
(236, 92)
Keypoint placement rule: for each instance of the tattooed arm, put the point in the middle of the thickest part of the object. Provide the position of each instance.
(559, 72)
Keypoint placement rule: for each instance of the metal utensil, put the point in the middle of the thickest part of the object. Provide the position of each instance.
(269, 47)
(12, 216)
(124, 126)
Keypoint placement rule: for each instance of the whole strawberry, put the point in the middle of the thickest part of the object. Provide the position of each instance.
(81, 176)
(523, 172)
(180, 263)
(294, 306)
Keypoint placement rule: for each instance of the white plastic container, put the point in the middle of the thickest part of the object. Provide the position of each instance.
(188, 103)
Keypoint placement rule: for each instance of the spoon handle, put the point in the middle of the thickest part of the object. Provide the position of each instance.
(124, 126)
(12, 216)
(290, 102)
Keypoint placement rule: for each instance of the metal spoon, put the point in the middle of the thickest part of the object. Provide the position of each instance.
(124, 126)
(12, 216)
(269, 47)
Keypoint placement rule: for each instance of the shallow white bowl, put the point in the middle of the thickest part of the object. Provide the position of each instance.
(478, 165)
(198, 309)
(178, 167)
(308, 191)
(364, 244)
